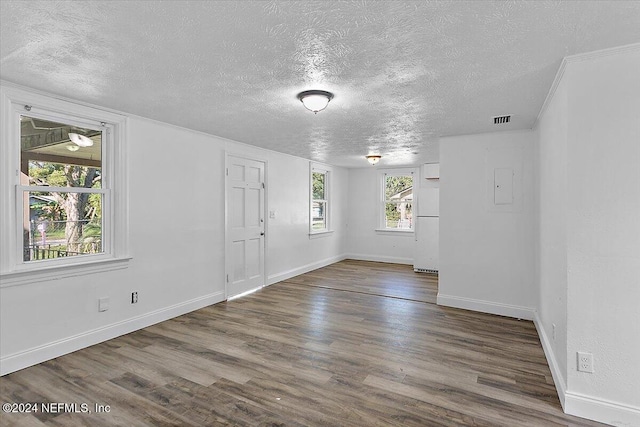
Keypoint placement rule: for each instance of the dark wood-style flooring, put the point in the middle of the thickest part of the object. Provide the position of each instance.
(375, 278)
(322, 349)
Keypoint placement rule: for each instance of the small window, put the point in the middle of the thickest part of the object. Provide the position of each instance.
(397, 201)
(319, 213)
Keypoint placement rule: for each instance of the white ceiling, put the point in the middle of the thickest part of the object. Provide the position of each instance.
(403, 72)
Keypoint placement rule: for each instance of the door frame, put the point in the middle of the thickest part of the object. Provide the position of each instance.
(227, 246)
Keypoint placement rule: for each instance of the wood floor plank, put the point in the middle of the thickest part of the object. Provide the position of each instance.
(392, 280)
(352, 344)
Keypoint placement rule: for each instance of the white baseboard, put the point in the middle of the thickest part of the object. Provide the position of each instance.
(490, 307)
(33, 356)
(279, 277)
(380, 258)
(604, 411)
(558, 379)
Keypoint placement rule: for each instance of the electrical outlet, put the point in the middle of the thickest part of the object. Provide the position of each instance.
(134, 297)
(585, 362)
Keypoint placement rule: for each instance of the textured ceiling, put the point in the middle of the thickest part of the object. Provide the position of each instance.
(403, 72)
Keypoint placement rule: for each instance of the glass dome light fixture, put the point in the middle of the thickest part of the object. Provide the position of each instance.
(373, 158)
(80, 140)
(315, 100)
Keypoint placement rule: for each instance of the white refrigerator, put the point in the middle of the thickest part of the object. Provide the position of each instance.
(427, 230)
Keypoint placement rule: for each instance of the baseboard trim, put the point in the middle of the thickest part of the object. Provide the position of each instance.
(604, 411)
(33, 356)
(554, 367)
(380, 258)
(279, 277)
(490, 307)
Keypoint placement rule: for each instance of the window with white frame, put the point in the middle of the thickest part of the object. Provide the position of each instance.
(319, 209)
(396, 207)
(64, 183)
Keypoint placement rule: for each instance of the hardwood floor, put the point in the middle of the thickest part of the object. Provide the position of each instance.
(306, 355)
(391, 280)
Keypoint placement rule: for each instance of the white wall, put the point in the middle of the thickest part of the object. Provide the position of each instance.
(487, 251)
(177, 234)
(603, 230)
(364, 242)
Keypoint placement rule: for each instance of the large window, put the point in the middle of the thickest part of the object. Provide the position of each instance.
(319, 213)
(61, 192)
(64, 184)
(397, 201)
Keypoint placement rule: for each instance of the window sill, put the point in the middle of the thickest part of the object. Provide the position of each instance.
(56, 272)
(318, 234)
(392, 231)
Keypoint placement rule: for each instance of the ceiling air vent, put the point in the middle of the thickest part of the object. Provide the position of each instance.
(500, 120)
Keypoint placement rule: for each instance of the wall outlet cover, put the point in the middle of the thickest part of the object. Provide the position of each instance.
(585, 362)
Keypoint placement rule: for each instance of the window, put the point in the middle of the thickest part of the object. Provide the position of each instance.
(319, 213)
(59, 188)
(397, 201)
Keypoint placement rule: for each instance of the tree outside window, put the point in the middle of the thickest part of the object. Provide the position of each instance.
(63, 188)
(398, 202)
(61, 176)
(319, 200)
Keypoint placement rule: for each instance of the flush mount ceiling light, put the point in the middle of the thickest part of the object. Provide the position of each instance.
(73, 147)
(80, 140)
(373, 158)
(315, 100)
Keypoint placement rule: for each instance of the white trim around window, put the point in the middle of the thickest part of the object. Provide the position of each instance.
(319, 200)
(114, 253)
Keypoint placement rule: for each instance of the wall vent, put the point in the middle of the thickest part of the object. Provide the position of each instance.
(500, 120)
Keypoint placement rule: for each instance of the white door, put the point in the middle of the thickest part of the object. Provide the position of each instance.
(245, 225)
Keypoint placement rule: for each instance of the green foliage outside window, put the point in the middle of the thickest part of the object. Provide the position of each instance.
(397, 201)
(318, 186)
(75, 217)
(319, 205)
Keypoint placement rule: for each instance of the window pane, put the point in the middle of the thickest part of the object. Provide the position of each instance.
(59, 154)
(398, 187)
(398, 215)
(318, 186)
(319, 219)
(61, 224)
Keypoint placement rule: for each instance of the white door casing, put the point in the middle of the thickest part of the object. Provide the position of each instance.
(245, 225)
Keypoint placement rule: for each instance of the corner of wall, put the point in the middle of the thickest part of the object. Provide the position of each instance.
(556, 372)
